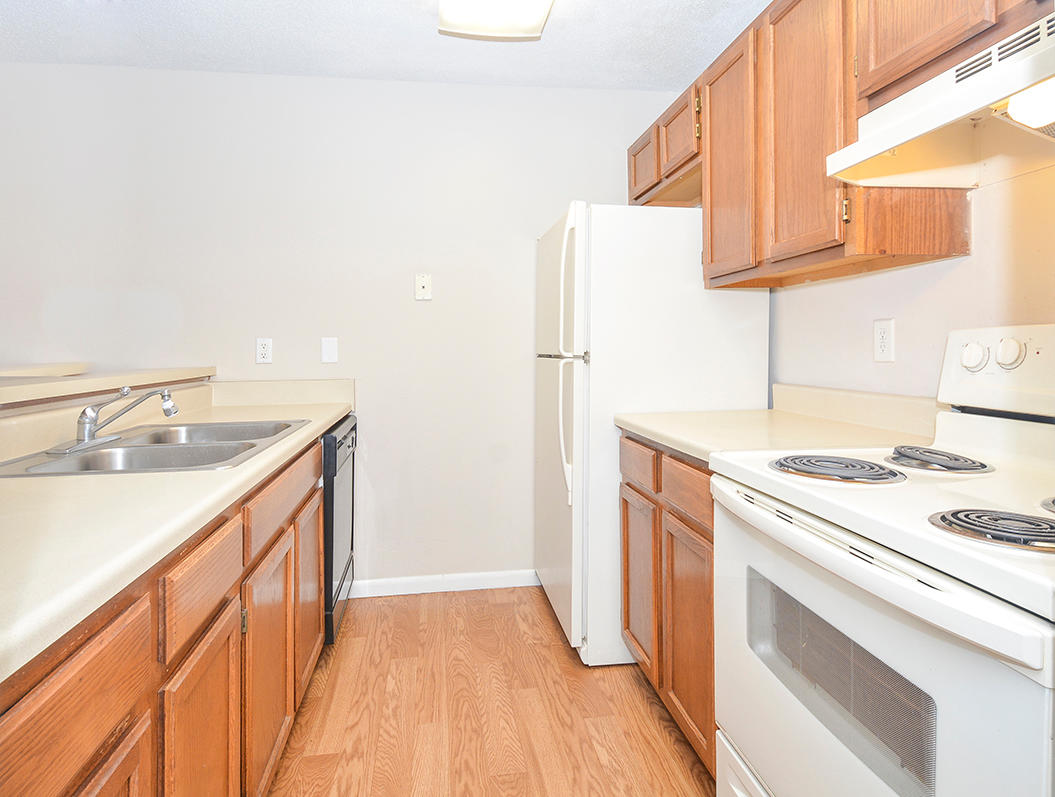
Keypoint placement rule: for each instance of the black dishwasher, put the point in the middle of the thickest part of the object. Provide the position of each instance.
(338, 473)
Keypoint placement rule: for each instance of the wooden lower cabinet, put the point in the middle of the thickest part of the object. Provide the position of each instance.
(200, 709)
(639, 519)
(268, 599)
(688, 633)
(309, 624)
(129, 769)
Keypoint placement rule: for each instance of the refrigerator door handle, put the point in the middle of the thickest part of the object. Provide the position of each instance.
(569, 225)
(564, 462)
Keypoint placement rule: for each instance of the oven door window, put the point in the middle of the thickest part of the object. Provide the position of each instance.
(888, 722)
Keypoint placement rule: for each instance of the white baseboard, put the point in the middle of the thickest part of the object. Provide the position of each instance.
(442, 582)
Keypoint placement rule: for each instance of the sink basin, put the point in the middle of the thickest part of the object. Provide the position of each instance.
(147, 458)
(209, 432)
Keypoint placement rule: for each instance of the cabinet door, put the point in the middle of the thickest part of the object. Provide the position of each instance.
(642, 163)
(267, 596)
(688, 633)
(639, 521)
(895, 37)
(729, 160)
(804, 119)
(679, 133)
(309, 628)
(129, 769)
(201, 706)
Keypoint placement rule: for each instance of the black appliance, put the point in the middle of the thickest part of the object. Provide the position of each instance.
(338, 474)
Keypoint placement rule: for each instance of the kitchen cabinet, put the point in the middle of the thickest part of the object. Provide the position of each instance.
(641, 550)
(663, 165)
(688, 632)
(201, 707)
(268, 600)
(902, 43)
(729, 159)
(129, 769)
(668, 582)
(776, 103)
(168, 687)
(308, 621)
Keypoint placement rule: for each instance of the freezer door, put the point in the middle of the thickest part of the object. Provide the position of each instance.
(560, 286)
(558, 489)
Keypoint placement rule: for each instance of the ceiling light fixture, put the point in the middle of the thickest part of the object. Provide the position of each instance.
(1035, 107)
(501, 20)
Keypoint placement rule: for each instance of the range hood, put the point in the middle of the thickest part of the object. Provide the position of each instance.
(955, 130)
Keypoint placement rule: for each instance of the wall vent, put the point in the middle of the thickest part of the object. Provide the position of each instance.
(974, 66)
(1016, 44)
(1051, 26)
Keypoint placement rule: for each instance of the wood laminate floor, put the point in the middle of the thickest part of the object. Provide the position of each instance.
(467, 693)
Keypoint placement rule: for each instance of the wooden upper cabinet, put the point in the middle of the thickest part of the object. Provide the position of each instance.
(679, 132)
(308, 625)
(642, 163)
(895, 37)
(267, 597)
(803, 118)
(640, 531)
(729, 160)
(201, 707)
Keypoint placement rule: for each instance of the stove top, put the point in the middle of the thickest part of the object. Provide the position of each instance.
(836, 468)
(1000, 528)
(922, 458)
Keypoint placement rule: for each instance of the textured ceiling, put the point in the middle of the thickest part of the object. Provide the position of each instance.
(629, 44)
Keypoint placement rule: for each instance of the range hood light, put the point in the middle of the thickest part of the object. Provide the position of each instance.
(1034, 107)
(502, 20)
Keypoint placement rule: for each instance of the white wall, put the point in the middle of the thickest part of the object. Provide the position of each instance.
(165, 218)
(822, 333)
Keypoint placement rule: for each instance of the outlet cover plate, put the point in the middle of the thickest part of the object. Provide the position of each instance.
(329, 350)
(423, 287)
(263, 350)
(883, 340)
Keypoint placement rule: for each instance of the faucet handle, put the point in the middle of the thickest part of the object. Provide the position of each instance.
(92, 410)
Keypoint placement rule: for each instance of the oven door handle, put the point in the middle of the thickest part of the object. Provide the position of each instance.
(960, 611)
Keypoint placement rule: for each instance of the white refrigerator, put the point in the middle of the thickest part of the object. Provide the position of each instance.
(623, 324)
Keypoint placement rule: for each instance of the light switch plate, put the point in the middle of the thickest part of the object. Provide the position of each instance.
(423, 287)
(883, 340)
(329, 350)
(263, 350)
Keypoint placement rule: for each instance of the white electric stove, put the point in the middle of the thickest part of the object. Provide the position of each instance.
(885, 619)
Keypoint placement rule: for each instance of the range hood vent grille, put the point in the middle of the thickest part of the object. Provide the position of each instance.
(1023, 41)
(1051, 26)
(974, 66)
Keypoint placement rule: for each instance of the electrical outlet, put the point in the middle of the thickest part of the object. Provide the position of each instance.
(263, 350)
(423, 287)
(329, 350)
(883, 340)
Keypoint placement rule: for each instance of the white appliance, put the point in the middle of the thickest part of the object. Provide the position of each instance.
(941, 132)
(885, 619)
(623, 324)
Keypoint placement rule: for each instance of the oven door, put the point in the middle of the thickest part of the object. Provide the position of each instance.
(844, 668)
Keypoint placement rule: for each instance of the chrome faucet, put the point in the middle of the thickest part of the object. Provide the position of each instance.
(88, 424)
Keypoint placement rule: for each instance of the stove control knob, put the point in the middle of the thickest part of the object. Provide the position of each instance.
(1010, 353)
(974, 356)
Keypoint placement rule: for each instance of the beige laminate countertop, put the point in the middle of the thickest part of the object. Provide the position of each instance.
(72, 542)
(700, 434)
(16, 388)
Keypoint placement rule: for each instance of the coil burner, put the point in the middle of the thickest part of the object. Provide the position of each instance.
(932, 459)
(1002, 528)
(842, 469)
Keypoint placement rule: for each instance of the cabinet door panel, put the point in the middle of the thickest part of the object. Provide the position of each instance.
(309, 602)
(688, 634)
(267, 596)
(643, 163)
(805, 112)
(678, 141)
(729, 160)
(895, 37)
(639, 519)
(201, 704)
(129, 770)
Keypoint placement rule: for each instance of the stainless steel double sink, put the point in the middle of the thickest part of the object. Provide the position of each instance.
(161, 448)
